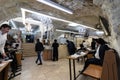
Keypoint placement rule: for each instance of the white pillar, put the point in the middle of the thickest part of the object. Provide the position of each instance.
(42, 30)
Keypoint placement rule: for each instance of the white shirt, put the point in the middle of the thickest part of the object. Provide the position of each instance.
(85, 44)
(97, 53)
(3, 38)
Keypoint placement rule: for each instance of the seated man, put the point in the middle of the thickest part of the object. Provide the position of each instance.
(99, 55)
(81, 48)
(6, 48)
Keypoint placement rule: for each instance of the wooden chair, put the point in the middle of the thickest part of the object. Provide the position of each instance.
(107, 72)
(110, 66)
(18, 57)
(94, 71)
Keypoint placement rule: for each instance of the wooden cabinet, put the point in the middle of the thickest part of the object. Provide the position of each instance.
(47, 54)
(62, 51)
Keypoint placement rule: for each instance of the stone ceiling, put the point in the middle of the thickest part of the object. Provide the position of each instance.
(85, 12)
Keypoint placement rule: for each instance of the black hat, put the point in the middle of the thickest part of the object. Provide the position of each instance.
(67, 40)
(101, 41)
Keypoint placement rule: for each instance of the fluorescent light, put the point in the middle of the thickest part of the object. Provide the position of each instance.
(55, 5)
(99, 32)
(58, 19)
(27, 20)
(73, 24)
(66, 31)
(14, 25)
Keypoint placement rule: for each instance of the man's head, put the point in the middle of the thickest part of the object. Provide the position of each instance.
(55, 40)
(38, 40)
(16, 45)
(67, 41)
(5, 28)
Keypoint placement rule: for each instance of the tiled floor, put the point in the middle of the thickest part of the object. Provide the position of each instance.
(58, 70)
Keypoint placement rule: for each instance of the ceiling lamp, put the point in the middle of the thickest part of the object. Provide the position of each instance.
(73, 24)
(55, 5)
(66, 31)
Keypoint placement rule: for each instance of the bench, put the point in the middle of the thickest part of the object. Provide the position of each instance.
(106, 72)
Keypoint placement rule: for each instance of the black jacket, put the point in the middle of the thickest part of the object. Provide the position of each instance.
(102, 50)
(39, 46)
(55, 47)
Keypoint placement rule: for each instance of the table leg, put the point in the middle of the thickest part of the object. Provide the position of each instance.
(70, 69)
(74, 69)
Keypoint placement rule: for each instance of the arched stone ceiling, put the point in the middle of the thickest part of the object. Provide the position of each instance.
(85, 12)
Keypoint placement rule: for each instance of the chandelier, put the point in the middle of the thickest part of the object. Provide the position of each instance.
(47, 22)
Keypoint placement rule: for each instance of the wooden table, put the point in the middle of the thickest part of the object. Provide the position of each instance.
(4, 66)
(73, 58)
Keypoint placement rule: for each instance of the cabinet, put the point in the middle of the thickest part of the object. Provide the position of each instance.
(47, 54)
(62, 51)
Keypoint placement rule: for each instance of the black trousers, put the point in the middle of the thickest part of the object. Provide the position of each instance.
(55, 56)
(92, 61)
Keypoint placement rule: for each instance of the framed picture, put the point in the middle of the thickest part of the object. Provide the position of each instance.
(105, 25)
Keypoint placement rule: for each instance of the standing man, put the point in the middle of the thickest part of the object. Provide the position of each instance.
(4, 29)
(71, 47)
(55, 46)
(39, 48)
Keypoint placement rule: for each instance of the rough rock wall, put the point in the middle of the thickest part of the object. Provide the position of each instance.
(12, 8)
(7, 10)
(111, 8)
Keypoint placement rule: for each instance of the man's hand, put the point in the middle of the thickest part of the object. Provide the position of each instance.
(4, 55)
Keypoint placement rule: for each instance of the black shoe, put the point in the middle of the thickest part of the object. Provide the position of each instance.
(36, 62)
(22, 59)
(40, 64)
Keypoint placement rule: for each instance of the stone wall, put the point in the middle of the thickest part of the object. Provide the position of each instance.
(111, 9)
(8, 9)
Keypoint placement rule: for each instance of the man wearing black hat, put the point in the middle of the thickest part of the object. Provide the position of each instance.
(99, 55)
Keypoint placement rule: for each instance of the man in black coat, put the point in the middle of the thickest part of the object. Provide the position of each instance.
(99, 55)
(55, 46)
(71, 47)
(39, 48)
(93, 44)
